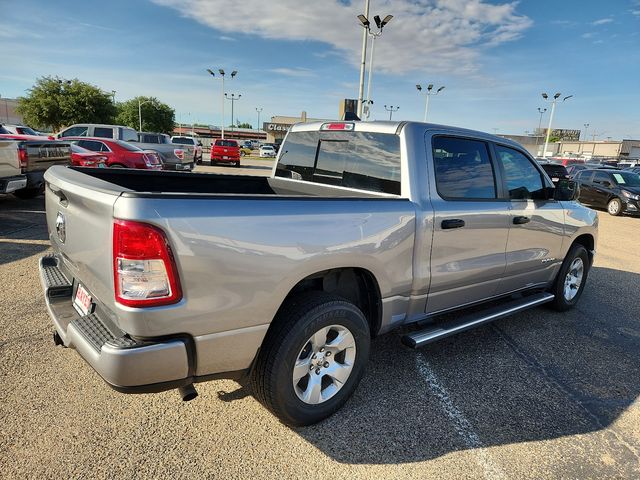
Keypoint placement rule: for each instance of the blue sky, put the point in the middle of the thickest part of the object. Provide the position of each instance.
(495, 58)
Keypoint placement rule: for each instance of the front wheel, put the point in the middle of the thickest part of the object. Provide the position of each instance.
(312, 359)
(614, 207)
(571, 279)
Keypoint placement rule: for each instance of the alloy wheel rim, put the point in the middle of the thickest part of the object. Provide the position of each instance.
(614, 207)
(573, 280)
(324, 364)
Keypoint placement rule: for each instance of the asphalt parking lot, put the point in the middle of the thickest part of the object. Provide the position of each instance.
(538, 395)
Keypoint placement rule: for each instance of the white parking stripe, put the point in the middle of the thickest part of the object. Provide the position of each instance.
(462, 426)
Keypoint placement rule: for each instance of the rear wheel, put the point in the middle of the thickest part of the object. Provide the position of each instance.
(614, 207)
(237, 164)
(117, 165)
(571, 279)
(312, 359)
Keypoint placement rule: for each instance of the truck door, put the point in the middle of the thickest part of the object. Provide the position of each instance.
(536, 222)
(471, 223)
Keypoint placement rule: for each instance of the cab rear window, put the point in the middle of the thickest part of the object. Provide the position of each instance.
(362, 160)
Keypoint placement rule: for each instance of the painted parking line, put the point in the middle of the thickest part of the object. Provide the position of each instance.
(462, 426)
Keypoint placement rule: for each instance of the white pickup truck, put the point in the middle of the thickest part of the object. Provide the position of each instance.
(11, 177)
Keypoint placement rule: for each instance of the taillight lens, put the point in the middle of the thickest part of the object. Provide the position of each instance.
(179, 153)
(151, 159)
(23, 156)
(145, 272)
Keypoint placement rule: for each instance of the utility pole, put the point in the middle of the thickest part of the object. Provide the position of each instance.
(391, 109)
(363, 59)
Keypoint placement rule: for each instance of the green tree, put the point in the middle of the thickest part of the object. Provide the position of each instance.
(56, 102)
(156, 116)
(245, 125)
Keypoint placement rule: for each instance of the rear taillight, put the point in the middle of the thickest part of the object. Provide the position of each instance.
(151, 159)
(23, 156)
(145, 273)
(179, 153)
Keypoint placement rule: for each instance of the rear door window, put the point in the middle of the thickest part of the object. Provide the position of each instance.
(463, 169)
(92, 145)
(103, 132)
(74, 132)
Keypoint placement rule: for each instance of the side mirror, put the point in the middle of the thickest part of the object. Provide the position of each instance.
(566, 190)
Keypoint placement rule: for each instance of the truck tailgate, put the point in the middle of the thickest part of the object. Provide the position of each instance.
(79, 220)
(46, 153)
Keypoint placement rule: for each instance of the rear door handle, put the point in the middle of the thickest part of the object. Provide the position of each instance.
(521, 220)
(452, 223)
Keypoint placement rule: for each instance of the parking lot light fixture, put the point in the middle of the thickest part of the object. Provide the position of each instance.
(391, 109)
(140, 110)
(259, 111)
(586, 127)
(541, 112)
(222, 75)
(374, 35)
(428, 92)
(553, 109)
(363, 58)
(233, 97)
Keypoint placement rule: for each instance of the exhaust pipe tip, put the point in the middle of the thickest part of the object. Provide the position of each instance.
(187, 393)
(57, 340)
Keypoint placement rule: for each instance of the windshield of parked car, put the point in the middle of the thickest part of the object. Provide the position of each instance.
(4, 131)
(627, 179)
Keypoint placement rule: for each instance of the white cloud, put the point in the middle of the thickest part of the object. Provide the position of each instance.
(433, 35)
(602, 21)
(293, 72)
(226, 39)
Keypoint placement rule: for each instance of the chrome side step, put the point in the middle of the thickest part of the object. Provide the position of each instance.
(467, 322)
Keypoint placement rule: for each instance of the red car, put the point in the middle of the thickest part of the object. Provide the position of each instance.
(119, 154)
(225, 151)
(81, 157)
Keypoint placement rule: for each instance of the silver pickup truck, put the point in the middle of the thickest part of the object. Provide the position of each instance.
(163, 280)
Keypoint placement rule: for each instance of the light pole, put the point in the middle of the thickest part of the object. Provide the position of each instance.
(367, 25)
(113, 96)
(428, 94)
(553, 109)
(541, 112)
(363, 58)
(259, 111)
(140, 110)
(222, 74)
(391, 109)
(586, 127)
(233, 99)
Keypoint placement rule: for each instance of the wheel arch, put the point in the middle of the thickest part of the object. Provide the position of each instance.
(587, 241)
(355, 284)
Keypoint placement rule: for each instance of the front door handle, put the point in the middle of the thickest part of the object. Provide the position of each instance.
(452, 223)
(521, 220)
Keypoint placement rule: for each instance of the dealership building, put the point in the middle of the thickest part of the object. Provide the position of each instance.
(278, 127)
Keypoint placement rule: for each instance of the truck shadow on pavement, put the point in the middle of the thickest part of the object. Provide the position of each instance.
(536, 376)
(21, 221)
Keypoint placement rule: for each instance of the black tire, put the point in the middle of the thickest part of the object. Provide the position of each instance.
(560, 302)
(614, 207)
(116, 165)
(237, 164)
(26, 193)
(242, 154)
(300, 318)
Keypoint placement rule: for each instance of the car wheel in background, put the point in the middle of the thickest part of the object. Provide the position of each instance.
(312, 358)
(237, 164)
(614, 207)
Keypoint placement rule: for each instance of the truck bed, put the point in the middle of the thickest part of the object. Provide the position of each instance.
(141, 183)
